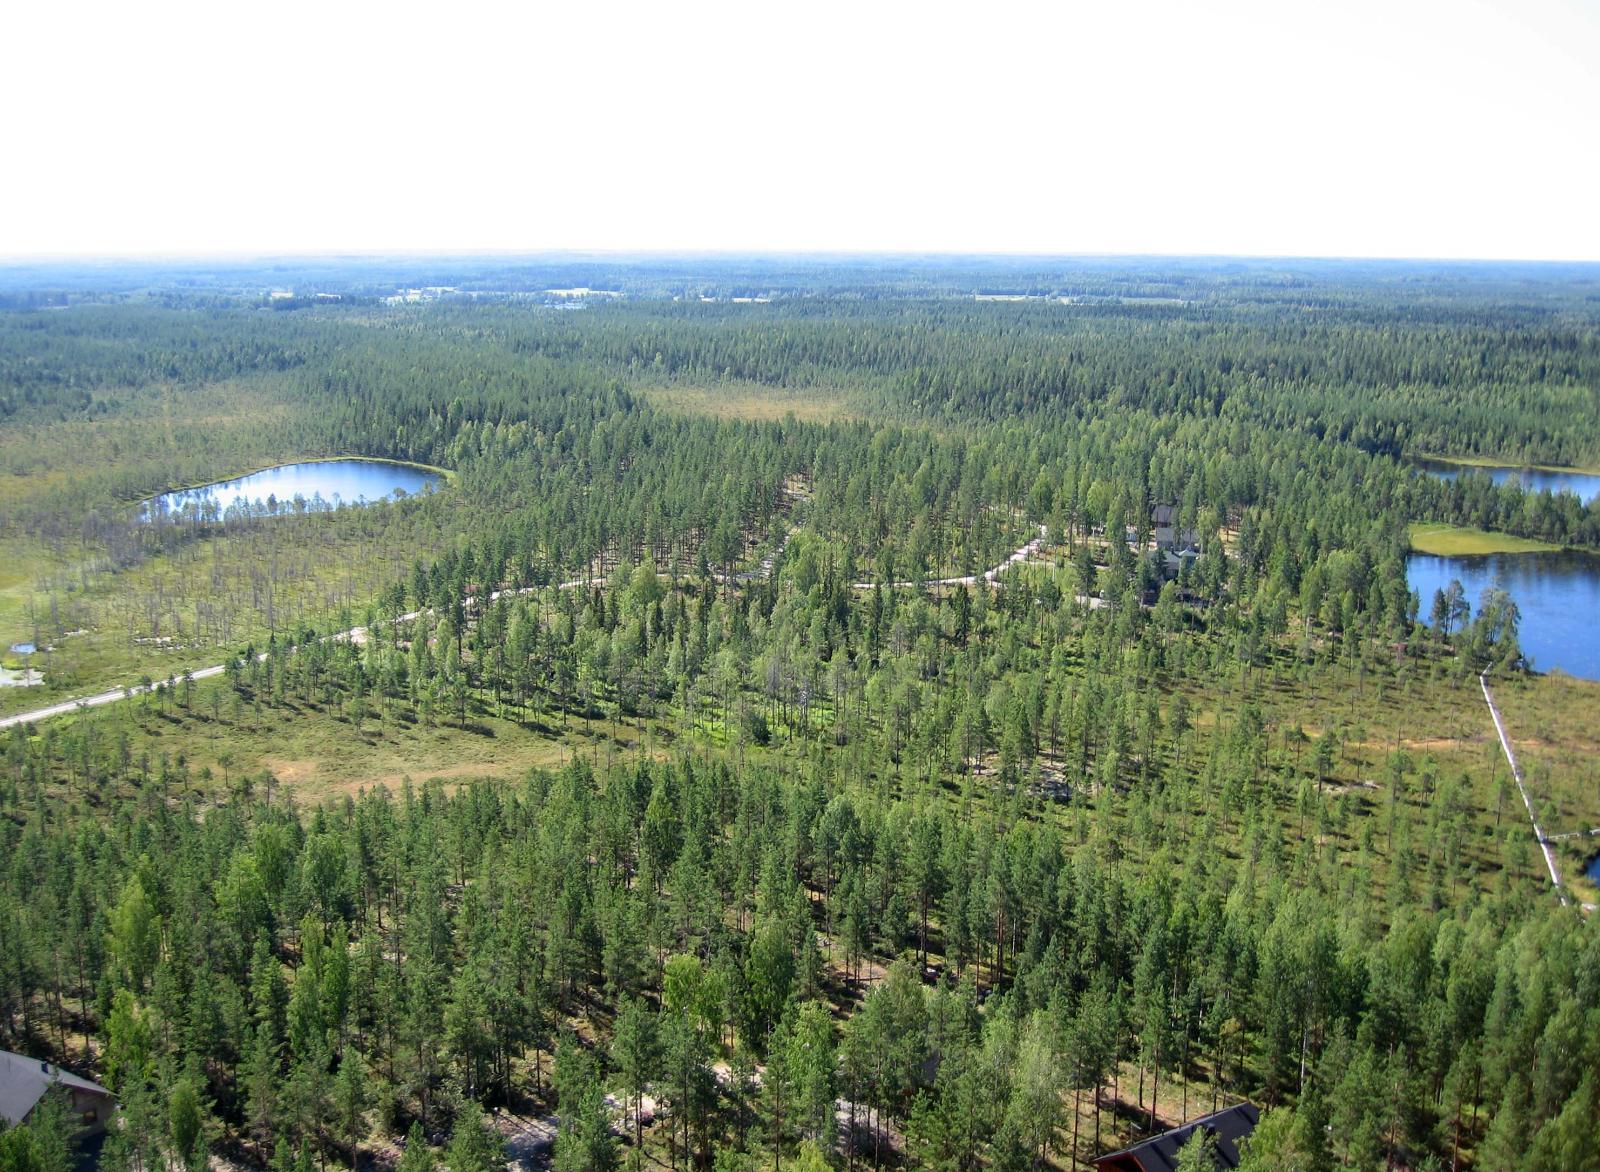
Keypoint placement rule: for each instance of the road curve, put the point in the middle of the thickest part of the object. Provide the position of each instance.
(1021, 554)
(356, 635)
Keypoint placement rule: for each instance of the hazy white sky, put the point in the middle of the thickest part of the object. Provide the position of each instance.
(1323, 127)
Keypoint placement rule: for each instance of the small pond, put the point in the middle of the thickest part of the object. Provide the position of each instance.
(319, 484)
(1585, 484)
(1557, 593)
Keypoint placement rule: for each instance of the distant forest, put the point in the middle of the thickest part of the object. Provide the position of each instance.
(906, 865)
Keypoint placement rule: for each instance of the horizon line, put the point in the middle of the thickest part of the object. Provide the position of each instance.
(8, 260)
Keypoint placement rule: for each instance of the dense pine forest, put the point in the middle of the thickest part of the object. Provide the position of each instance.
(831, 713)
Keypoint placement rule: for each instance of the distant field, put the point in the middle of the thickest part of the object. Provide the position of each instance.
(1443, 540)
(754, 401)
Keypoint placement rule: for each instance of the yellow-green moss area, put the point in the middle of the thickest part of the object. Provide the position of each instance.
(1493, 462)
(1443, 540)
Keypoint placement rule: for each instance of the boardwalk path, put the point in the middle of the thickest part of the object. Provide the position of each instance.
(1516, 772)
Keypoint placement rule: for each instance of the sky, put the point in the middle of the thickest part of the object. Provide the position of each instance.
(1410, 128)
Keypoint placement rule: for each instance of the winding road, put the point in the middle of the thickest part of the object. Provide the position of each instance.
(95, 701)
(359, 635)
(1021, 554)
(356, 635)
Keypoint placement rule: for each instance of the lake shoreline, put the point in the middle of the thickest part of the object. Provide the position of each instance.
(342, 481)
(448, 474)
(1486, 462)
(1442, 539)
(1555, 592)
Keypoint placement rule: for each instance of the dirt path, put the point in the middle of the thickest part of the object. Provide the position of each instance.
(109, 696)
(358, 635)
(1021, 554)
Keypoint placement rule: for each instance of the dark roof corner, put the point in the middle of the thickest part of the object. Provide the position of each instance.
(1160, 1153)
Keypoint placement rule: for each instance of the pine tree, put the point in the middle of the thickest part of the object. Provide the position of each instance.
(811, 1064)
(1035, 1107)
(44, 1143)
(1199, 1154)
(585, 1142)
(186, 1122)
(416, 1156)
(636, 1053)
(351, 1099)
(474, 1146)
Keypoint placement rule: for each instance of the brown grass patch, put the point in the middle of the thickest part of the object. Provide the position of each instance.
(753, 401)
(452, 777)
(1417, 744)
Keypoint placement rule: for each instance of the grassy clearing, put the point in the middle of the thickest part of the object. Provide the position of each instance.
(318, 753)
(1442, 540)
(20, 563)
(754, 401)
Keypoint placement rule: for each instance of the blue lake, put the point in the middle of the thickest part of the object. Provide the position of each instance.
(1557, 593)
(320, 484)
(1585, 484)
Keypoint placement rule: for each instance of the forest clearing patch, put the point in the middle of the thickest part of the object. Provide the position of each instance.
(753, 401)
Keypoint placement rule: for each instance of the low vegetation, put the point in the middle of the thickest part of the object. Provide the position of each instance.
(688, 794)
(754, 401)
(1463, 541)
